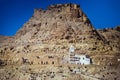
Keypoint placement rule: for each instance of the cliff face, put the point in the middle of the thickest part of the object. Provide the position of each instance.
(45, 41)
(58, 22)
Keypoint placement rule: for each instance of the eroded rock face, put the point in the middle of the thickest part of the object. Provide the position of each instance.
(56, 23)
(43, 43)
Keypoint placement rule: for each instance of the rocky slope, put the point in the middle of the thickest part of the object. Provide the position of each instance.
(40, 49)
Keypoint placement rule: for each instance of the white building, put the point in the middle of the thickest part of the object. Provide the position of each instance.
(71, 49)
(78, 59)
(82, 59)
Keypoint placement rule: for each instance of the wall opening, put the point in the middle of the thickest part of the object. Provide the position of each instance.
(41, 62)
(46, 62)
(52, 62)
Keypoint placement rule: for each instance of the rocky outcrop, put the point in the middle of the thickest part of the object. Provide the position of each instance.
(112, 36)
(57, 22)
(117, 28)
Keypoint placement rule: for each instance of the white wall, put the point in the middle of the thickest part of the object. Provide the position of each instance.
(82, 60)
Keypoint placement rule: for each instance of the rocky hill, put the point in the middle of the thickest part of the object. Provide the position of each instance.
(40, 49)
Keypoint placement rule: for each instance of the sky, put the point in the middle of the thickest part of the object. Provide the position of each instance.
(14, 13)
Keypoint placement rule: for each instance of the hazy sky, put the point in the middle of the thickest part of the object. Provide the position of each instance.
(14, 13)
